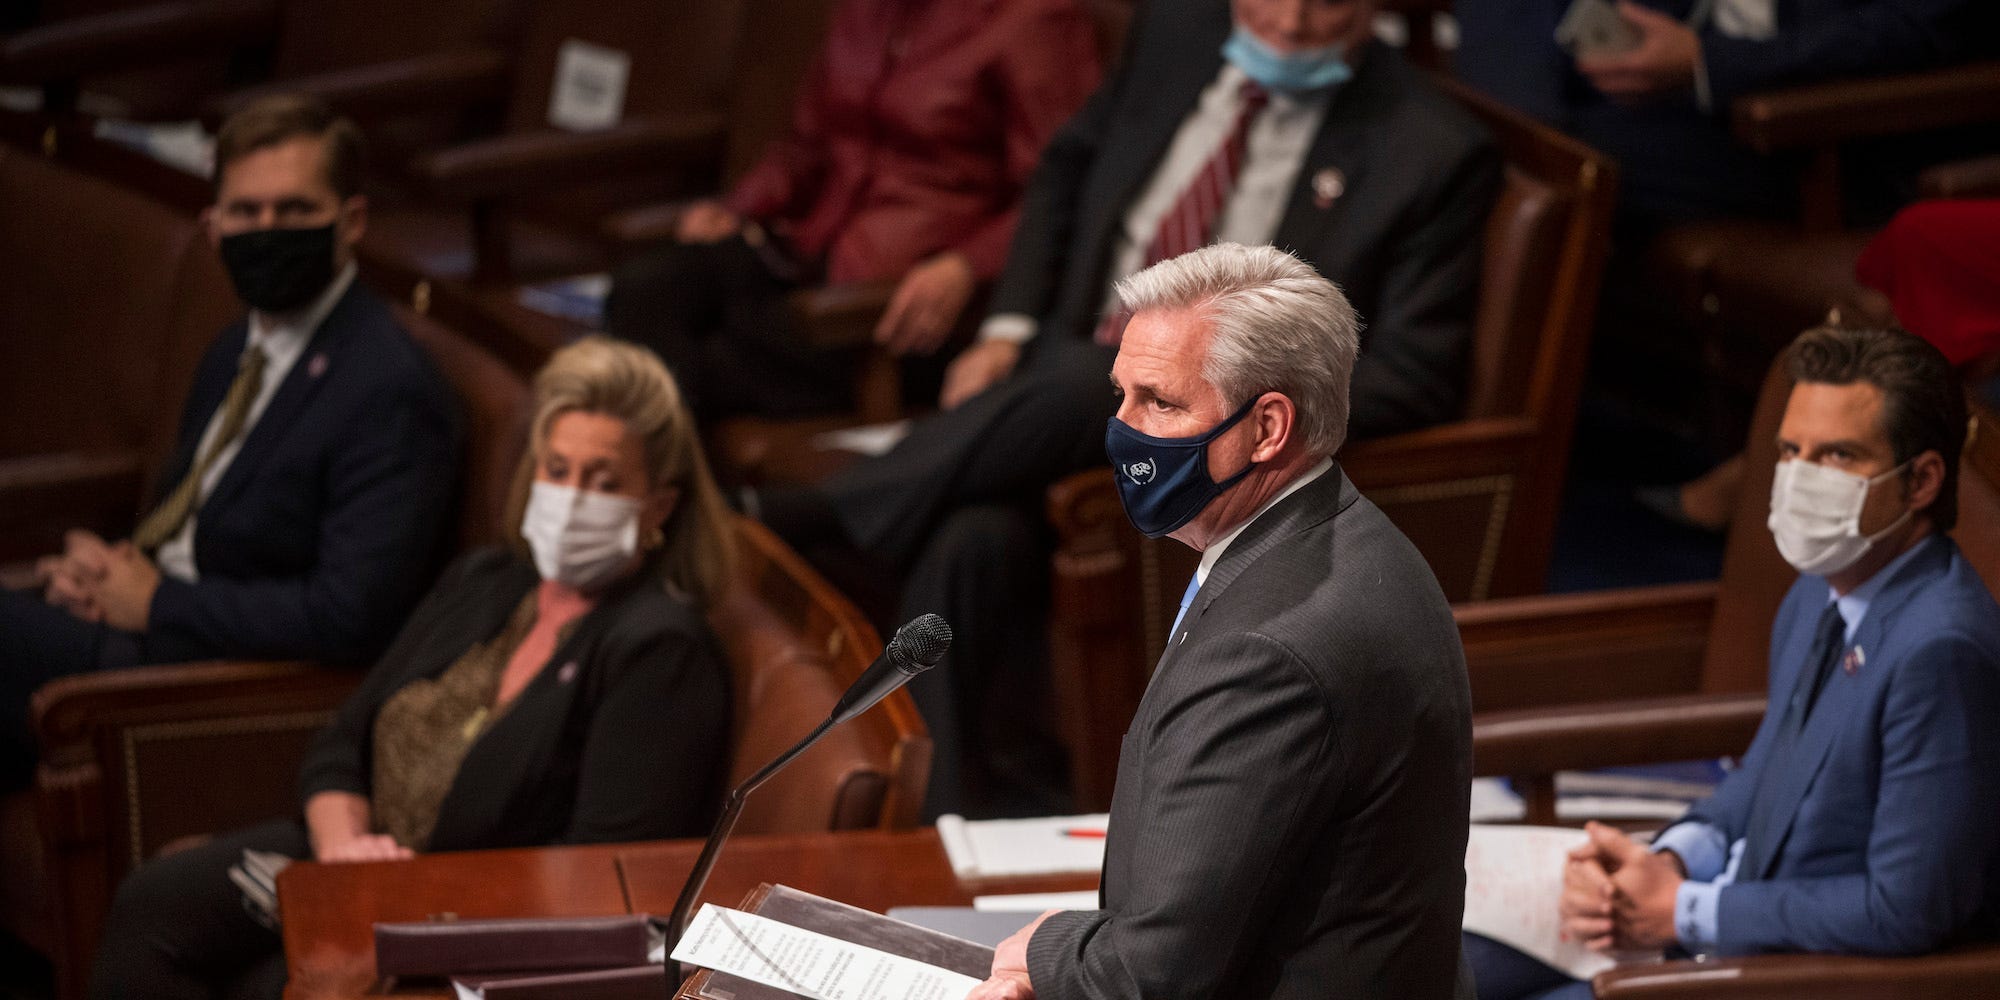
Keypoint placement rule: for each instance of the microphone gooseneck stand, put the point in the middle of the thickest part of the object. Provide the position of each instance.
(916, 647)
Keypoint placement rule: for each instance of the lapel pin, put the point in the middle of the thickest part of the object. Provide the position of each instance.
(317, 366)
(1328, 185)
(567, 673)
(1853, 661)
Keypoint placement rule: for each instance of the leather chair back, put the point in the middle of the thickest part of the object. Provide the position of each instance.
(317, 36)
(681, 53)
(795, 644)
(82, 368)
(494, 400)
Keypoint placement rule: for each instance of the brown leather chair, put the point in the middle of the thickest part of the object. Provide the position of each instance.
(1617, 717)
(1478, 496)
(80, 436)
(1737, 289)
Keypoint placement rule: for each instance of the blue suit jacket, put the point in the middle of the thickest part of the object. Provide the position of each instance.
(1885, 835)
(326, 527)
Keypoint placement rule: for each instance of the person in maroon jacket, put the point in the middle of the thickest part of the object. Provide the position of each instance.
(909, 146)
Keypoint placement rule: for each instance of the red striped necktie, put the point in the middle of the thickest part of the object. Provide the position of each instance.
(1190, 224)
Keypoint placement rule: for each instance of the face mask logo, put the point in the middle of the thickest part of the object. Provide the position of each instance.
(279, 270)
(1295, 72)
(1165, 481)
(1816, 516)
(580, 537)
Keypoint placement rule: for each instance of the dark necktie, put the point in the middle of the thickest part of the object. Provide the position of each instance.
(1190, 224)
(1829, 641)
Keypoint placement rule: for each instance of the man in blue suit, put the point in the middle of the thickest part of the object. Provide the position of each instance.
(1865, 818)
(302, 508)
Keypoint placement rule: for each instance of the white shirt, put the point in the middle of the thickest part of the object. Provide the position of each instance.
(282, 339)
(1273, 151)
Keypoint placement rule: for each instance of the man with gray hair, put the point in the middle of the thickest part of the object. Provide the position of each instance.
(1290, 816)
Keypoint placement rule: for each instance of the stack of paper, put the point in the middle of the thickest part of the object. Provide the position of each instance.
(1048, 845)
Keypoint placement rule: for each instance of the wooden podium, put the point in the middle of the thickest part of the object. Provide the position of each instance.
(329, 910)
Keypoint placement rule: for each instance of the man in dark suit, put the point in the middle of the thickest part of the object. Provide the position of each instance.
(1661, 107)
(1289, 819)
(303, 505)
(1259, 121)
(1865, 818)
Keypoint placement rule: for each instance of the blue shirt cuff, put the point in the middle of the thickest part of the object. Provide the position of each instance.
(1694, 915)
(1702, 847)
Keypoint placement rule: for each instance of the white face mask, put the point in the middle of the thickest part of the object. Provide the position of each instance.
(1816, 516)
(580, 537)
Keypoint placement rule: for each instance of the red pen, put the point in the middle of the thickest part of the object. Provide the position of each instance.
(1083, 832)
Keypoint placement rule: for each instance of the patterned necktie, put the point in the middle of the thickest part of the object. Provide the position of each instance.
(1190, 225)
(166, 519)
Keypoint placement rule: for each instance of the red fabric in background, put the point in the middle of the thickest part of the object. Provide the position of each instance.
(917, 128)
(1939, 264)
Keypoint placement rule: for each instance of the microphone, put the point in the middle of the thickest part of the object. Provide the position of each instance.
(916, 647)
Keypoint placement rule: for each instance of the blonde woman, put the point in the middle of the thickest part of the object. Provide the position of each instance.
(563, 689)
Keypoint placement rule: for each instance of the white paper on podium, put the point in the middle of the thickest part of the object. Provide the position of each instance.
(808, 963)
(1513, 883)
(1046, 845)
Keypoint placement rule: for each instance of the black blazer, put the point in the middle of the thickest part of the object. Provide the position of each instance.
(330, 520)
(1290, 814)
(623, 736)
(1403, 240)
(1829, 39)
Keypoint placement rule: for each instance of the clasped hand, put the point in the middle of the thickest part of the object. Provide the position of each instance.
(100, 582)
(1617, 894)
(1662, 63)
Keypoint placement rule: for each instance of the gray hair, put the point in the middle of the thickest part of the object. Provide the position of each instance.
(1279, 327)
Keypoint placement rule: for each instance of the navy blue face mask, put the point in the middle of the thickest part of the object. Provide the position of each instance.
(1163, 482)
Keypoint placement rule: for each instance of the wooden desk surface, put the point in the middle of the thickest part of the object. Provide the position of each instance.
(329, 911)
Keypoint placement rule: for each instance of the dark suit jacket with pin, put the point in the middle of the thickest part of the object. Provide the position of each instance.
(330, 520)
(1402, 240)
(623, 735)
(1290, 813)
(1885, 834)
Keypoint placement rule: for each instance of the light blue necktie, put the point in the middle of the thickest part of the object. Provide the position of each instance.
(1194, 584)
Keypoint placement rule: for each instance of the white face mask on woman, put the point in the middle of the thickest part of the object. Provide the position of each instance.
(582, 538)
(1816, 516)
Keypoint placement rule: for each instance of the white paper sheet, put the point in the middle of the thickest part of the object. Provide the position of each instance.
(868, 439)
(589, 88)
(1036, 902)
(808, 963)
(1513, 883)
(1006, 847)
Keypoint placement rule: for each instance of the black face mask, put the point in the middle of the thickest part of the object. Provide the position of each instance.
(278, 270)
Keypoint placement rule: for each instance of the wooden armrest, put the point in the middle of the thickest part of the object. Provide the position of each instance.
(75, 47)
(1611, 734)
(1532, 652)
(1828, 113)
(68, 711)
(841, 315)
(42, 496)
(439, 79)
(1979, 178)
(529, 161)
(1963, 972)
(643, 224)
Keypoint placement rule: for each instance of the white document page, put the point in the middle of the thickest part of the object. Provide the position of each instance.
(1513, 882)
(1036, 902)
(589, 87)
(1047, 845)
(809, 963)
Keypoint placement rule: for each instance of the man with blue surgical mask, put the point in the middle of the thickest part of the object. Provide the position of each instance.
(1290, 814)
(1280, 122)
(1865, 818)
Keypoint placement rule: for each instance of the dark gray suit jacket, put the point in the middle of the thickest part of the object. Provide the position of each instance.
(1290, 815)
(1403, 239)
